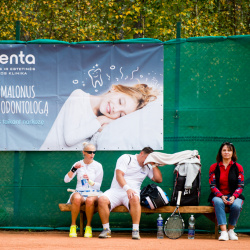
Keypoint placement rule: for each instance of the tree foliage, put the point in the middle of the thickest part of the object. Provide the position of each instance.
(94, 20)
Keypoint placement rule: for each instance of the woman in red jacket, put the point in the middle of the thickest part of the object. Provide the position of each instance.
(226, 179)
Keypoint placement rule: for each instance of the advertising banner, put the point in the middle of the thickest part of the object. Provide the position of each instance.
(54, 97)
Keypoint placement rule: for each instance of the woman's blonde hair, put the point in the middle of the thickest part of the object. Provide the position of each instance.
(141, 92)
(86, 144)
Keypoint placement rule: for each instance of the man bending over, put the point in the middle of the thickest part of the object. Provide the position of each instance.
(129, 174)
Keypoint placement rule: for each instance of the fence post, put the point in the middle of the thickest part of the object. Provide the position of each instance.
(177, 85)
(16, 188)
(18, 25)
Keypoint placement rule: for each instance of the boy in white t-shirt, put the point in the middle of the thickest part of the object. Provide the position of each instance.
(129, 174)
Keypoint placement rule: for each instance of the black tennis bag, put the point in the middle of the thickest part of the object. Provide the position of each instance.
(189, 197)
(153, 197)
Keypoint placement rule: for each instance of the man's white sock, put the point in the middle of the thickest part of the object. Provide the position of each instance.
(106, 226)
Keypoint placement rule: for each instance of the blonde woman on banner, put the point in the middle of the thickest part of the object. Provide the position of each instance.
(82, 115)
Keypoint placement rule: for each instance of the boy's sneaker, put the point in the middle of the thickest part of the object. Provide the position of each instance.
(106, 233)
(72, 232)
(88, 232)
(232, 235)
(223, 236)
(135, 235)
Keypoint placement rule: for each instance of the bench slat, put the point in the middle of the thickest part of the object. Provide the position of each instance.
(183, 209)
(208, 211)
(165, 209)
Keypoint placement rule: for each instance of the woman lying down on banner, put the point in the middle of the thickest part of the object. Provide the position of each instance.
(188, 163)
(82, 115)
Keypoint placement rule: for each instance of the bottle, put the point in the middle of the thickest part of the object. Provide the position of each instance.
(191, 227)
(83, 181)
(160, 234)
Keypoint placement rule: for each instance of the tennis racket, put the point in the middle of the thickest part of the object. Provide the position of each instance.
(85, 193)
(174, 226)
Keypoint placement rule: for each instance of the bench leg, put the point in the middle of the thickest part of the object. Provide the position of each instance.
(216, 228)
(216, 231)
(212, 217)
(82, 219)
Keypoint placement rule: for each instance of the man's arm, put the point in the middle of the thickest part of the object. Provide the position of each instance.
(120, 179)
(157, 177)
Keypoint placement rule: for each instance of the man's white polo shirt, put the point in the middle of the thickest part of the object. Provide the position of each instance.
(134, 174)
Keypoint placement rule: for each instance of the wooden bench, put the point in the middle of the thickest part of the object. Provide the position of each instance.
(208, 211)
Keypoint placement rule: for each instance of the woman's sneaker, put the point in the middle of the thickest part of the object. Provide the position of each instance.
(232, 235)
(223, 235)
(72, 232)
(88, 232)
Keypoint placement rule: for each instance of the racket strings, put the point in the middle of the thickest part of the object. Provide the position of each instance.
(174, 227)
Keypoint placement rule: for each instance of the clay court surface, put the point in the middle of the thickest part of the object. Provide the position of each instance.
(120, 240)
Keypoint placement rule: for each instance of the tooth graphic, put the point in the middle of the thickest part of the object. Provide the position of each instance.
(95, 76)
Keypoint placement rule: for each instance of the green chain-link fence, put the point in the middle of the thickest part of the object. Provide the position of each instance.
(206, 102)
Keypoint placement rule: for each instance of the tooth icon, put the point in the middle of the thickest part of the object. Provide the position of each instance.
(95, 76)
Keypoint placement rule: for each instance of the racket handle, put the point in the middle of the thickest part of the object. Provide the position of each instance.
(71, 190)
(179, 198)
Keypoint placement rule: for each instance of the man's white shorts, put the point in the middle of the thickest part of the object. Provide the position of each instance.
(118, 197)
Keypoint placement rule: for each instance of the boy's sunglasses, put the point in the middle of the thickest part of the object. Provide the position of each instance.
(90, 152)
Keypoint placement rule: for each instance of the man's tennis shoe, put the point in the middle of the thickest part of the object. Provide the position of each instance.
(106, 233)
(232, 235)
(223, 236)
(72, 232)
(88, 232)
(135, 235)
